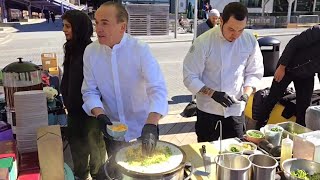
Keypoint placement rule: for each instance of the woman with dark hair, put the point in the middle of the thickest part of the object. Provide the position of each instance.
(85, 138)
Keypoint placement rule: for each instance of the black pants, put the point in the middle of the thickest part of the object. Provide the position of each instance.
(304, 88)
(231, 126)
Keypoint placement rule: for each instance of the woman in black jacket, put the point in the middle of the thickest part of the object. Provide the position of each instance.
(298, 63)
(86, 140)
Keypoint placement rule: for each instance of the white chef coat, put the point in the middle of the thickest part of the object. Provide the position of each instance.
(126, 81)
(222, 66)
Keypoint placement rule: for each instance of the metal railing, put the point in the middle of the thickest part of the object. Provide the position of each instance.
(281, 21)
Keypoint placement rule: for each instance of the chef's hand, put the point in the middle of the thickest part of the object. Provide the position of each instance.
(103, 122)
(222, 98)
(244, 98)
(280, 72)
(149, 137)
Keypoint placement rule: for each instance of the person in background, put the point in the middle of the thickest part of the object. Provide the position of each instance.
(298, 63)
(222, 68)
(47, 15)
(190, 11)
(123, 83)
(211, 22)
(86, 140)
(53, 17)
(206, 8)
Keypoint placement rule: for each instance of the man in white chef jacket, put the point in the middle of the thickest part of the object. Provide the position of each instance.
(222, 68)
(122, 80)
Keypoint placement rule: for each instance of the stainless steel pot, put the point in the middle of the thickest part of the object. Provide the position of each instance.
(175, 173)
(232, 166)
(263, 167)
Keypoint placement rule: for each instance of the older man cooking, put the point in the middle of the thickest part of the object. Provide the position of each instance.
(122, 80)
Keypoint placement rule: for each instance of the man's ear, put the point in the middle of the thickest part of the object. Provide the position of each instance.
(123, 27)
(221, 21)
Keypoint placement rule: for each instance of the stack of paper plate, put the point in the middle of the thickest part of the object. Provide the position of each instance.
(31, 113)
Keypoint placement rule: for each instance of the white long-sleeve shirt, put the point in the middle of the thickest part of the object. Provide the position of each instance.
(222, 66)
(126, 81)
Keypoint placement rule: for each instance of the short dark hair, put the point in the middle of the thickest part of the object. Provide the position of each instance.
(122, 14)
(235, 9)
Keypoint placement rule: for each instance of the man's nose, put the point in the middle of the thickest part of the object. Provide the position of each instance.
(98, 28)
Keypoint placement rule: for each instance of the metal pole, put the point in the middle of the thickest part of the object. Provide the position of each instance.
(289, 10)
(2, 10)
(176, 18)
(263, 7)
(195, 25)
(195, 21)
(29, 11)
(62, 8)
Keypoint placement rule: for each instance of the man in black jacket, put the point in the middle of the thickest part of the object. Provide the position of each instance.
(298, 63)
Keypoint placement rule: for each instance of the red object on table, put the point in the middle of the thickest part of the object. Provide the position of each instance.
(8, 149)
(28, 161)
(30, 175)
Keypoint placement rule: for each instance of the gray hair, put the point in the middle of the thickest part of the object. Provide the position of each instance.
(122, 14)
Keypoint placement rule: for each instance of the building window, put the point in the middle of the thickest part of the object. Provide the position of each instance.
(304, 5)
(318, 5)
(252, 3)
(280, 6)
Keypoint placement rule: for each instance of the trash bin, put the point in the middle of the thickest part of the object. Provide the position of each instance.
(270, 51)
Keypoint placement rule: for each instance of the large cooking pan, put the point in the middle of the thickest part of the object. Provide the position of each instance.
(172, 169)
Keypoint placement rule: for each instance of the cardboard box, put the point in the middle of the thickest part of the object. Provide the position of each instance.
(50, 149)
(54, 71)
(49, 60)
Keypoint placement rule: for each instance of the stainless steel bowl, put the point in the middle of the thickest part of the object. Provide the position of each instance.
(294, 164)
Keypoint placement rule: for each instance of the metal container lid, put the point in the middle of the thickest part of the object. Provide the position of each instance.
(20, 67)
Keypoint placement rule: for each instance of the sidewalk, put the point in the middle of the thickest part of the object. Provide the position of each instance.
(5, 34)
(177, 129)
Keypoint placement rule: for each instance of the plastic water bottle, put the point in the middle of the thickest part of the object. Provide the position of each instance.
(286, 149)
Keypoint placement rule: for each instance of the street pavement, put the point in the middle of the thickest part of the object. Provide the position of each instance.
(30, 40)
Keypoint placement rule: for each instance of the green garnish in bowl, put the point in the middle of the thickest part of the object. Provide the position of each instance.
(255, 134)
(276, 129)
(234, 149)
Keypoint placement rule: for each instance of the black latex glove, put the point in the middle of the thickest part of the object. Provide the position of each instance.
(244, 98)
(149, 138)
(222, 98)
(103, 122)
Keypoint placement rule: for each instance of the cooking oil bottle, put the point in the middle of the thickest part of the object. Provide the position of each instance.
(286, 150)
